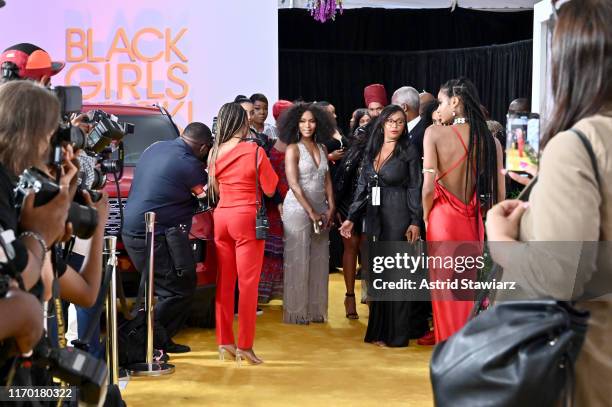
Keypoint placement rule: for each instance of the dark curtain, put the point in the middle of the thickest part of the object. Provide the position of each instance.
(421, 48)
(500, 72)
(377, 29)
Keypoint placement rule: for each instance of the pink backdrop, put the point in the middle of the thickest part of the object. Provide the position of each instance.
(191, 56)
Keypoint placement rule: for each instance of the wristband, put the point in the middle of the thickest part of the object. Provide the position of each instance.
(39, 239)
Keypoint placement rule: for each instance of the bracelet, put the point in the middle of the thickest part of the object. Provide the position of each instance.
(430, 170)
(39, 239)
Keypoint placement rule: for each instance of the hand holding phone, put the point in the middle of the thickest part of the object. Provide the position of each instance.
(522, 142)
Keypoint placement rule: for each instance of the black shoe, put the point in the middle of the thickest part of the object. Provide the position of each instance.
(172, 347)
(160, 356)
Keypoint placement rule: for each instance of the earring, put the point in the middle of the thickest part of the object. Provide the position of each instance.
(454, 113)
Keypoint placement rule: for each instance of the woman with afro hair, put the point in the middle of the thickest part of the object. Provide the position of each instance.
(308, 212)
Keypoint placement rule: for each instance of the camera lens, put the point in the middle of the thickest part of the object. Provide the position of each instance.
(77, 138)
(84, 220)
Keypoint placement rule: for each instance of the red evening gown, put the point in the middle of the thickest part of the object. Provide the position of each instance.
(452, 221)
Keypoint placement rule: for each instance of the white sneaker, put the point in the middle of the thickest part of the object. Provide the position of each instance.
(259, 311)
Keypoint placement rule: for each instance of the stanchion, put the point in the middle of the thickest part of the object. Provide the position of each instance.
(112, 361)
(150, 367)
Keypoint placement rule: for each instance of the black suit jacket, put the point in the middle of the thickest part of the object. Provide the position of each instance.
(416, 137)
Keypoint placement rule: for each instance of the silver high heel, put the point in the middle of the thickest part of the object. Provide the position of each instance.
(227, 352)
(248, 355)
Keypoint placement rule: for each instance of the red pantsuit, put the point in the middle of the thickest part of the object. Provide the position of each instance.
(239, 254)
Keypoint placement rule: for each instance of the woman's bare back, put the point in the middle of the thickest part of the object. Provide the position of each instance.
(452, 162)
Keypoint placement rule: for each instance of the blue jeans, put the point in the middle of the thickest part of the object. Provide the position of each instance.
(84, 316)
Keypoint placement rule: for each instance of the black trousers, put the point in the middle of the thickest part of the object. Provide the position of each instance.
(174, 276)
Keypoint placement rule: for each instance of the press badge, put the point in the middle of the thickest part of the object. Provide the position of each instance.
(375, 196)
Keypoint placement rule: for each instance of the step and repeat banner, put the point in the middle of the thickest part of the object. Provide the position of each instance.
(190, 56)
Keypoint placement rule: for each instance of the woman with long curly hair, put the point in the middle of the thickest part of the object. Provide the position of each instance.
(308, 212)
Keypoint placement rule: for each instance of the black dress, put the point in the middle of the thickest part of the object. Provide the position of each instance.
(399, 180)
(346, 177)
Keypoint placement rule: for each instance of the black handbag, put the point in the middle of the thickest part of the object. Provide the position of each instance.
(515, 354)
(519, 353)
(262, 225)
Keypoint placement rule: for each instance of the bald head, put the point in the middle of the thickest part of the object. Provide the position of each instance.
(425, 98)
(520, 105)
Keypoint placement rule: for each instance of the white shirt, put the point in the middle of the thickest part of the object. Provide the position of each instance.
(412, 123)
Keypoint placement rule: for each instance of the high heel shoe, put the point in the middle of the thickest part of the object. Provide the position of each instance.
(227, 351)
(350, 314)
(248, 355)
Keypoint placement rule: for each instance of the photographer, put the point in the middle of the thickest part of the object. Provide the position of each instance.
(29, 116)
(167, 176)
(28, 61)
(81, 287)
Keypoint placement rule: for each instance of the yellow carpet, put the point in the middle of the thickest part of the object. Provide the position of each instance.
(314, 365)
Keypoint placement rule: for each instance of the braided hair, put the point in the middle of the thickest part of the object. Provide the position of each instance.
(482, 151)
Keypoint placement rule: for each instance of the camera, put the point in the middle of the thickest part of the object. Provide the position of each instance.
(107, 129)
(101, 149)
(75, 367)
(84, 219)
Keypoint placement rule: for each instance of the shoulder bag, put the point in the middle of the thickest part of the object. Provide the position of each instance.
(261, 218)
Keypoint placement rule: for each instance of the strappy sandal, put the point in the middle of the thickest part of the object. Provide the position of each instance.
(350, 315)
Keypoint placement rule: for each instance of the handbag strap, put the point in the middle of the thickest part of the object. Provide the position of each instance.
(258, 202)
(589, 148)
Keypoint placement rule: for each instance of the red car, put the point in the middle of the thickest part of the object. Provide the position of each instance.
(153, 124)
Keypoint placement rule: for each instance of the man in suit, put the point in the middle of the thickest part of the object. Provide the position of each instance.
(407, 98)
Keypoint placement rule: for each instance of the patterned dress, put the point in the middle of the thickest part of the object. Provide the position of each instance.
(271, 282)
(306, 255)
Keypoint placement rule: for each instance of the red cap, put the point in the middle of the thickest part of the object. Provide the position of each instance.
(32, 62)
(375, 93)
(279, 107)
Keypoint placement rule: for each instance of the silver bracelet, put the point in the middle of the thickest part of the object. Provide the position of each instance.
(39, 239)
(430, 170)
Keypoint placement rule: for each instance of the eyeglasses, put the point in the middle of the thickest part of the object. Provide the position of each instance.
(395, 123)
